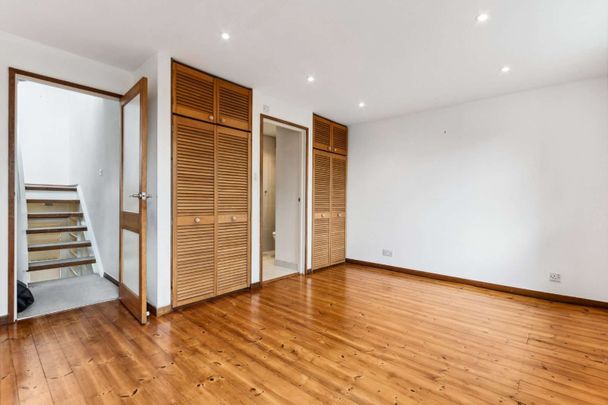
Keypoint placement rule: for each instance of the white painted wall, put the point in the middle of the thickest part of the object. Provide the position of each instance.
(502, 190)
(288, 190)
(27, 55)
(66, 137)
(158, 71)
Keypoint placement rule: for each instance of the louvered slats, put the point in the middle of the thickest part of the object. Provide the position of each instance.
(195, 262)
(234, 105)
(195, 165)
(322, 164)
(193, 93)
(339, 139)
(321, 209)
(232, 256)
(211, 199)
(232, 172)
(233, 210)
(329, 193)
(321, 133)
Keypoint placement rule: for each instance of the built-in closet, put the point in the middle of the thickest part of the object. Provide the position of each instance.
(211, 185)
(330, 142)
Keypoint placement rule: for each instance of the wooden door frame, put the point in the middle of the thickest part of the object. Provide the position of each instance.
(13, 73)
(261, 181)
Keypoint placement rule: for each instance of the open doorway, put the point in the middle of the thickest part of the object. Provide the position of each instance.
(67, 176)
(283, 157)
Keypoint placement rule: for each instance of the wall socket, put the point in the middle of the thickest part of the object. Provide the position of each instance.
(555, 277)
(386, 252)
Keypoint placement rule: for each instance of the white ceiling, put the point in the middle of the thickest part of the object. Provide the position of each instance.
(398, 56)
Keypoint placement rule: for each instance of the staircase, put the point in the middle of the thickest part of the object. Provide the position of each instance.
(57, 246)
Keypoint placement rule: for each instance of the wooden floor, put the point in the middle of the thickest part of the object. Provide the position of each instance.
(345, 335)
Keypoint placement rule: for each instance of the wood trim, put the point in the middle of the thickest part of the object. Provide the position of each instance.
(157, 312)
(306, 157)
(65, 83)
(12, 89)
(4, 320)
(566, 299)
(111, 279)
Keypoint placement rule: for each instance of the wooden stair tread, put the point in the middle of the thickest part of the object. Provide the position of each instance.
(53, 200)
(57, 229)
(50, 187)
(59, 245)
(54, 214)
(58, 263)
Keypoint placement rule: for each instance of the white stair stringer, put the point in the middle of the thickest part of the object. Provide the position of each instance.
(89, 234)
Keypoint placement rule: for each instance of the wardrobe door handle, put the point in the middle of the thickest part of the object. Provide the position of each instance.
(340, 215)
(211, 118)
(222, 120)
(197, 220)
(322, 215)
(233, 218)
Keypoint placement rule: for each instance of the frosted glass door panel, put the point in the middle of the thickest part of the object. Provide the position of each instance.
(131, 158)
(130, 260)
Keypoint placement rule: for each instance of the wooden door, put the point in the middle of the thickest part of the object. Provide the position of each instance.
(338, 209)
(194, 159)
(133, 200)
(339, 139)
(193, 93)
(233, 209)
(321, 207)
(233, 105)
(321, 133)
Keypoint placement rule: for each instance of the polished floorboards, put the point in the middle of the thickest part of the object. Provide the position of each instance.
(349, 334)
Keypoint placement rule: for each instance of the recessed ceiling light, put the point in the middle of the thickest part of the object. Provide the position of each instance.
(225, 36)
(310, 78)
(361, 104)
(483, 17)
(505, 69)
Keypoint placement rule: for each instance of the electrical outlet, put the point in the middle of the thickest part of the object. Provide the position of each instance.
(555, 277)
(386, 252)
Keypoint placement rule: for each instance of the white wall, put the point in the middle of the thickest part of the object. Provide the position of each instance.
(502, 190)
(27, 55)
(158, 71)
(288, 190)
(269, 193)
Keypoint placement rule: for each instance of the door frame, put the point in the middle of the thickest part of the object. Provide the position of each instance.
(261, 181)
(13, 75)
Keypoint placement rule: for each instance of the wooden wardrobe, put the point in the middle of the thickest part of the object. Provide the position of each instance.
(211, 185)
(330, 142)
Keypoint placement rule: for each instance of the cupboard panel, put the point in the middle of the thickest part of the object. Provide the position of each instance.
(321, 129)
(234, 105)
(193, 93)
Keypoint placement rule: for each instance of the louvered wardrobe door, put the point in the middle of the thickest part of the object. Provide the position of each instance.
(193, 205)
(233, 207)
(321, 131)
(339, 139)
(193, 93)
(321, 209)
(338, 209)
(234, 105)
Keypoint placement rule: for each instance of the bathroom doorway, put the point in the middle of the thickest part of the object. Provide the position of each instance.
(283, 156)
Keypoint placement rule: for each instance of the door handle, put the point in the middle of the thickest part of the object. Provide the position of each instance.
(141, 196)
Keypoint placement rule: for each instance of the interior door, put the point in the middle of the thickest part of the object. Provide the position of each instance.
(133, 199)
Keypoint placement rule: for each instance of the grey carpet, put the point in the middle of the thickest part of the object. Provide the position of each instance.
(69, 293)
